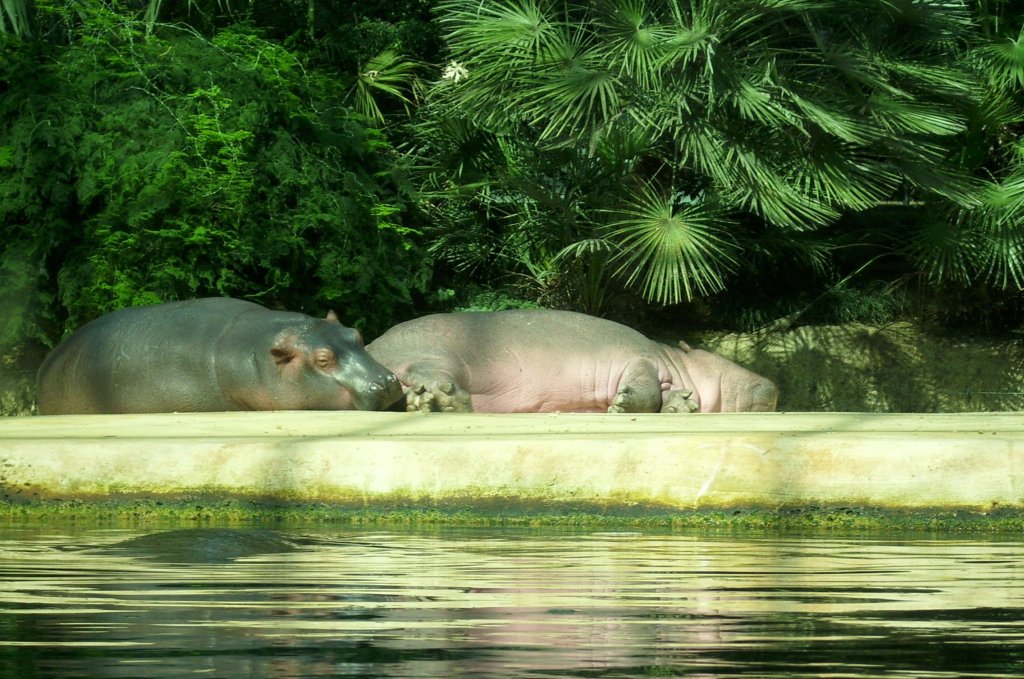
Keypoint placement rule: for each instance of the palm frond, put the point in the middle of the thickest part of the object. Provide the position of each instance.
(783, 205)
(777, 248)
(385, 74)
(574, 93)
(691, 37)
(634, 40)
(833, 120)
(673, 250)
(504, 29)
(944, 248)
(906, 116)
(1003, 227)
(1004, 61)
(760, 187)
(1003, 249)
(793, 5)
(758, 105)
(585, 248)
(859, 67)
(946, 81)
(789, 110)
(841, 177)
(498, 48)
(703, 146)
(922, 164)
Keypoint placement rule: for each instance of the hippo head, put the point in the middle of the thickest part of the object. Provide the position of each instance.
(326, 367)
(723, 386)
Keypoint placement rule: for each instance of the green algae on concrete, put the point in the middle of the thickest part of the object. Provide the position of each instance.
(770, 469)
(146, 513)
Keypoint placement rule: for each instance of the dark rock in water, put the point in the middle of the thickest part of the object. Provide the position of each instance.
(204, 545)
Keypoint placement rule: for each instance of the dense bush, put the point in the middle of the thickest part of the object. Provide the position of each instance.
(144, 162)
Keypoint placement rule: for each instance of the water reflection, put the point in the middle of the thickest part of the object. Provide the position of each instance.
(514, 603)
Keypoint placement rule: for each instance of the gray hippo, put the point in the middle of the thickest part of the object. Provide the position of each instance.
(204, 545)
(212, 354)
(536, 360)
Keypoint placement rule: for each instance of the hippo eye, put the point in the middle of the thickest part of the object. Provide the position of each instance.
(325, 359)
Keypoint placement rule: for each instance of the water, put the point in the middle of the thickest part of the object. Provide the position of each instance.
(524, 603)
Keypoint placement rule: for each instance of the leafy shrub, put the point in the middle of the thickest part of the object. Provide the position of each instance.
(145, 165)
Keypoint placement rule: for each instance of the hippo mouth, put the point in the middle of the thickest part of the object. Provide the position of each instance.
(385, 394)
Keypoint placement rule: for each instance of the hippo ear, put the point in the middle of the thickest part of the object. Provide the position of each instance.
(332, 317)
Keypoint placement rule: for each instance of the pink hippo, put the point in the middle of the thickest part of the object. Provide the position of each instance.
(538, 360)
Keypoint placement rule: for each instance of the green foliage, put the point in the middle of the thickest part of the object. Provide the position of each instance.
(14, 17)
(660, 140)
(677, 248)
(1002, 59)
(489, 300)
(145, 163)
(752, 160)
(981, 245)
(385, 74)
(337, 35)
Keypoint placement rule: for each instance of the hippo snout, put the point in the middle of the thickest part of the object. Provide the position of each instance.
(390, 385)
(378, 394)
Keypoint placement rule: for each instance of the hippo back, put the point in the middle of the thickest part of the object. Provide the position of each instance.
(108, 365)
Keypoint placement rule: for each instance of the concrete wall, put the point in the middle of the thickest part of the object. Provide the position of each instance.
(522, 463)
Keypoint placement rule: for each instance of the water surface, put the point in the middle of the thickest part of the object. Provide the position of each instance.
(334, 602)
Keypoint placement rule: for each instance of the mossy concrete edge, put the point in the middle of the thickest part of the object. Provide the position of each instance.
(150, 513)
(854, 470)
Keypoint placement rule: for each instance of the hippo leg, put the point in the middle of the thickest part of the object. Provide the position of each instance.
(444, 396)
(679, 401)
(639, 391)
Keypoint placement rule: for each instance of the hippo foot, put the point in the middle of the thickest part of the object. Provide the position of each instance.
(621, 402)
(679, 401)
(630, 399)
(437, 397)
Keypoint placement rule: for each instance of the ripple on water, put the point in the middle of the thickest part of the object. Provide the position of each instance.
(262, 603)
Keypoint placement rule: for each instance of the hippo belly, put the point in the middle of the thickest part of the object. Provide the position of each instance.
(517, 386)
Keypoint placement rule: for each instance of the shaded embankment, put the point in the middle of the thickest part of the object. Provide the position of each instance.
(894, 368)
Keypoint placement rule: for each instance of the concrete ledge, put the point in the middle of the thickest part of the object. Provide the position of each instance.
(602, 463)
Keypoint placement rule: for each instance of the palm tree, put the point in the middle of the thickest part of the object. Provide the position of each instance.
(718, 124)
(984, 243)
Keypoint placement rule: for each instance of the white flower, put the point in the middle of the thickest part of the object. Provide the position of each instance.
(455, 72)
